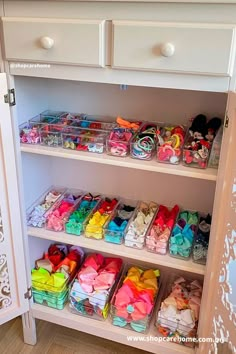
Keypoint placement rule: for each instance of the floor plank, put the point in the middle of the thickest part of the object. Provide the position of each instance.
(54, 339)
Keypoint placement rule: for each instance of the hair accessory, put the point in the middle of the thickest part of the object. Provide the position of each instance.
(118, 142)
(90, 292)
(94, 228)
(201, 240)
(159, 234)
(57, 217)
(199, 141)
(76, 220)
(139, 223)
(183, 233)
(123, 123)
(179, 312)
(134, 301)
(144, 142)
(37, 217)
(170, 144)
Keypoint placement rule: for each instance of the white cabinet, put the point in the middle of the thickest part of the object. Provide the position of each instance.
(173, 47)
(70, 51)
(65, 41)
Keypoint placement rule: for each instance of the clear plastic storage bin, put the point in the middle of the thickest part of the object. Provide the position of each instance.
(143, 143)
(170, 144)
(139, 223)
(57, 217)
(51, 280)
(52, 298)
(96, 122)
(50, 135)
(51, 115)
(118, 142)
(93, 225)
(133, 310)
(75, 223)
(84, 140)
(36, 214)
(96, 303)
(159, 232)
(115, 227)
(29, 133)
(215, 150)
(178, 321)
(182, 236)
(201, 239)
(194, 157)
(73, 116)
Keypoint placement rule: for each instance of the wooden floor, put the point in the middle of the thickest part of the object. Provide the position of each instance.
(53, 339)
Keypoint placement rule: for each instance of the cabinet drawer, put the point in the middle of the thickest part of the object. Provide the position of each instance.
(64, 41)
(173, 47)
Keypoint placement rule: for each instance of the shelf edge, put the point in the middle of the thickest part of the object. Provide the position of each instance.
(104, 329)
(119, 250)
(152, 166)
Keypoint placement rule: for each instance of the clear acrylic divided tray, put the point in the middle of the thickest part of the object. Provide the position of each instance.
(135, 232)
(95, 122)
(170, 143)
(58, 215)
(84, 209)
(143, 143)
(36, 213)
(95, 305)
(181, 243)
(94, 224)
(175, 328)
(125, 317)
(114, 233)
(156, 240)
(89, 140)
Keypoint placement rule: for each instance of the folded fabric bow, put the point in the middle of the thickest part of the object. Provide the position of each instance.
(176, 320)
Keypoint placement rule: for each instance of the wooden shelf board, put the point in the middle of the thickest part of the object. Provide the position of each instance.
(178, 170)
(119, 250)
(104, 329)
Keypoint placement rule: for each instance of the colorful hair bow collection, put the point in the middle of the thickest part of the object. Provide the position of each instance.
(159, 234)
(58, 216)
(134, 301)
(37, 217)
(77, 218)
(91, 291)
(182, 237)
(92, 288)
(53, 272)
(142, 218)
(94, 228)
(179, 312)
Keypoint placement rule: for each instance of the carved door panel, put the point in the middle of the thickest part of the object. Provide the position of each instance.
(218, 317)
(13, 284)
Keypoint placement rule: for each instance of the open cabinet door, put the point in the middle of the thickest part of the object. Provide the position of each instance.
(13, 284)
(218, 318)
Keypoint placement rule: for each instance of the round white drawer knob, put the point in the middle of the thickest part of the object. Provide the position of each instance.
(46, 42)
(167, 49)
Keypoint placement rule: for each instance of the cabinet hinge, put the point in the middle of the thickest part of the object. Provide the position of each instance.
(10, 97)
(226, 124)
(28, 294)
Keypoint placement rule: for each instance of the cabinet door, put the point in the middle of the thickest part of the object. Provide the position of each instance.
(218, 315)
(13, 283)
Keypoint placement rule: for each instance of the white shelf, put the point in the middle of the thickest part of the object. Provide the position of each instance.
(104, 329)
(119, 250)
(178, 170)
